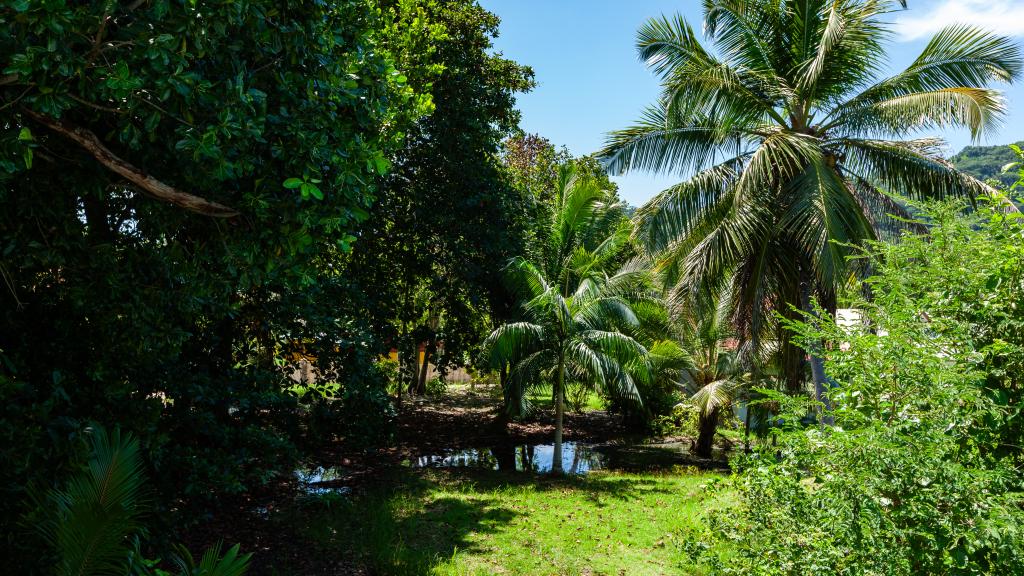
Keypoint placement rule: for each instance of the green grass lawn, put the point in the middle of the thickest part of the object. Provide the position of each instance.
(481, 522)
(540, 396)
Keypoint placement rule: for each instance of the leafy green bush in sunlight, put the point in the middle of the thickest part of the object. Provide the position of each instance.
(920, 473)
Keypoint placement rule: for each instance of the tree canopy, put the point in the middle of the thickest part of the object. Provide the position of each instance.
(795, 146)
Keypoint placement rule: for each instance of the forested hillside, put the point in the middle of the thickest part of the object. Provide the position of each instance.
(984, 162)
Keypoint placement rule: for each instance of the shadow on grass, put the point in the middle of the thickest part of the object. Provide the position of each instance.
(413, 521)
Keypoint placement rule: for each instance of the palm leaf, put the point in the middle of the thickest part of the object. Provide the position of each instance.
(94, 516)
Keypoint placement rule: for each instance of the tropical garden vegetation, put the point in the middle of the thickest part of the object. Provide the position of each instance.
(242, 240)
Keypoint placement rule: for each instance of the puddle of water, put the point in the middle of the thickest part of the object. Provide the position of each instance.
(576, 458)
(323, 480)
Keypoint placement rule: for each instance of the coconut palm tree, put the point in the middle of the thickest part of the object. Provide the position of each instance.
(793, 147)
(568, 338)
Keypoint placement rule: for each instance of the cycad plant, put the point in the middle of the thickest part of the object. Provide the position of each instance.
(794, 147)
(93, 525)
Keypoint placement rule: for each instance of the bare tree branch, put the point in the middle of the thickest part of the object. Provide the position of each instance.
(146, 184)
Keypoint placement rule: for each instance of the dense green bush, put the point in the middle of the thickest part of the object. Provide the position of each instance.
(169, 313)
(921, 472)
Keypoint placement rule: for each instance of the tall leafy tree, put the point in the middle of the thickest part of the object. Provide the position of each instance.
(794, 146)
(174, 180)
(447, 218)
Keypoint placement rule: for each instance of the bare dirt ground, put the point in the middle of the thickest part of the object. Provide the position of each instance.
(466, 418)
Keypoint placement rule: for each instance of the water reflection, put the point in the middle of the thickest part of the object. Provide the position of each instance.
(576, 458)
(323, 480)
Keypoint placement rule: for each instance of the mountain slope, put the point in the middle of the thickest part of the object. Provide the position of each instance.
(986, 162)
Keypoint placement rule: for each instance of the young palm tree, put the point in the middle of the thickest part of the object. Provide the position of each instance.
(794, 146)
(568, 338)
(572, 308)
(712, 369)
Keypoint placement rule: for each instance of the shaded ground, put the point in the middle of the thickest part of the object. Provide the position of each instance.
(466, 417)
(282, 526)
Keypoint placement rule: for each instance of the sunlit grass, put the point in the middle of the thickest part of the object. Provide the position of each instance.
(479, 522)
(540, 396)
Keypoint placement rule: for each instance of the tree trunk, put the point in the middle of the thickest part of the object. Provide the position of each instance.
(506, 412)
(822, 384)
(505, 455)
(707, 426)
(428, 353)
(556, 460)
(412, 372)
(746, 429)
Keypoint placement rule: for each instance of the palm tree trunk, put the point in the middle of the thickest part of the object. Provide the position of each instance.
(556, 460)
(707, 426)
(822, 384)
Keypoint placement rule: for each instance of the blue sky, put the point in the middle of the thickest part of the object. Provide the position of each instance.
(590, 81)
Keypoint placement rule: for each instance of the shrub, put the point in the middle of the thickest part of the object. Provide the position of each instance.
(918, 475)
(93, 525)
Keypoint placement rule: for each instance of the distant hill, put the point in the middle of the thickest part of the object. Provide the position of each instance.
(984, 162)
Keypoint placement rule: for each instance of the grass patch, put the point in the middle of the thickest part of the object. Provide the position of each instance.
(540, 396)
(448, 522)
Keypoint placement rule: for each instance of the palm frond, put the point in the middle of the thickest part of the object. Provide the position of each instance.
(93, 517)
(911, 168)
(715, 395)
(212, 563)
(676, 211)
(958, 57)
(510, 342)
(660, 143)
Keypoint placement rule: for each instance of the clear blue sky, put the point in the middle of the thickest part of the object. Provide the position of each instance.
(590, 81)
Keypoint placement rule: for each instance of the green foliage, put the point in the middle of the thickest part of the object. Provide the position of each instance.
(446, 219)
(212, 563)
(680, 421)
(795, 146)
(921, 472)
(389, 370)
(571, 338)
(571, 306)
(88, 523)
(93, 525)
(179, 321)
(987, 163)
(436, 387)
